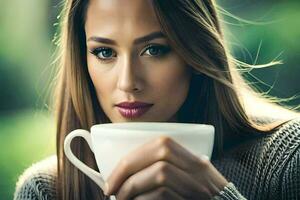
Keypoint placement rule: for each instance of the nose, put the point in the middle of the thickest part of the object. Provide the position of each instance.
(128, 80)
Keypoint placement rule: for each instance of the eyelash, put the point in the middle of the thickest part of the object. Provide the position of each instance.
(161, 48)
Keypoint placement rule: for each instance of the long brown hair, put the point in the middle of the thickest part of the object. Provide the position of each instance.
(218, 95)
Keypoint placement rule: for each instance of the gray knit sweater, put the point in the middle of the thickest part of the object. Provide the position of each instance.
(262, 168)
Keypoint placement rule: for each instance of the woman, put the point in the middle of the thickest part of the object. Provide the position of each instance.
(171, 56)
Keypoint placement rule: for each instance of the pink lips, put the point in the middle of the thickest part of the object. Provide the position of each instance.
(133, 109)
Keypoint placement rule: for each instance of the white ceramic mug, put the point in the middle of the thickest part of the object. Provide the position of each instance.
(110, 142)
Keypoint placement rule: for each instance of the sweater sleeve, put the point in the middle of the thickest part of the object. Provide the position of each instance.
(229, 192)
(37, 182)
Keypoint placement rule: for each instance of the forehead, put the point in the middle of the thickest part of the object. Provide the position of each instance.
(131, 17)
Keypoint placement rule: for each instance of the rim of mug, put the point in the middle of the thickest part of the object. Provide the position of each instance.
(109, 126)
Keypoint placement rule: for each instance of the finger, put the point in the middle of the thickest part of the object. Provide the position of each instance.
(157, 175)
(163, 148)
(162, 193)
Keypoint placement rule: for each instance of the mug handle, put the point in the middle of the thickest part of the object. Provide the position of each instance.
(94, 175)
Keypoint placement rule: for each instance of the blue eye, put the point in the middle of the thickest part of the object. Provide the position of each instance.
(156, 50)
(152, 50)
(104, 53)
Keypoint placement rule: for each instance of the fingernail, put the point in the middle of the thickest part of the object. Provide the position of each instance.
(204, 157)
(106, 189)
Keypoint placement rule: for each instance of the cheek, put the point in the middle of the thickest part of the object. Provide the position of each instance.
(176, 85)
(101, 80)
(173, 82)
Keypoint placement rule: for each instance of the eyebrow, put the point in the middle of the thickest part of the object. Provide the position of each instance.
(139, 40)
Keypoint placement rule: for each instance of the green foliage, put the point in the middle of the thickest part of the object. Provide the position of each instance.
(25, 53)
(267, 31)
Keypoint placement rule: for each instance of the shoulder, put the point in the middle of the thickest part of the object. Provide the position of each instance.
(285, 137)
(38, 181)
(278, 158)
(282, 141)
(267, 166)
(279, 146)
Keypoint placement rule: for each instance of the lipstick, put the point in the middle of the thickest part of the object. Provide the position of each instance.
(133, 109)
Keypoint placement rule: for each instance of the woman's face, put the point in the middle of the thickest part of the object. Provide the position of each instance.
(130, 60)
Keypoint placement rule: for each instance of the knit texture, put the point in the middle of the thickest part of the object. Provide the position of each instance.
(38, 182)
(263, 168)
(268, 167)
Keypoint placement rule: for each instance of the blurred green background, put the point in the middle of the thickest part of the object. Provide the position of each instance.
(27, 128)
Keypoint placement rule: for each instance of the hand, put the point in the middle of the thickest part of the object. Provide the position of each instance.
(163, 169)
